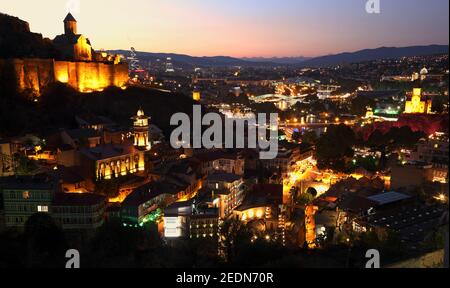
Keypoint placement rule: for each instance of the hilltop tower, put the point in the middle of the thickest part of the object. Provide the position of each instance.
(418, 104)
(141, 130)
(73, 46)
(70, 25)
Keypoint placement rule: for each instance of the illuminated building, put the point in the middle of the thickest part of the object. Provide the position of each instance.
(204, 224)
(174, 226)
(79, 211)
(412, 223)
(77, 65)
(111, 161)
(141, 130)
(169, 65)
(226, 191)
(418, 105)
(411, 175)
(262, 203)
(97, 123)
(142, 205)
(236, 91)
(433, 150)
(68, 180)
(188, 220)
(25, 197)
(196, 95)
(81, 137)
(6, 158)
(325, 91)
(423, 73)
(73, 46)
(310, 225)
(213, 161)
(369, 113)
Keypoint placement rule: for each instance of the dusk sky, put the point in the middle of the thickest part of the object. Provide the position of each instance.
(242, 27)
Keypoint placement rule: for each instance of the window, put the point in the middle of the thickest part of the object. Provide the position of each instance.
(26, 195)
(42, 208)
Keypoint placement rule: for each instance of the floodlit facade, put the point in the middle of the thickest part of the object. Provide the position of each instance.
(23, 199)
(417, 105)
(141, 130)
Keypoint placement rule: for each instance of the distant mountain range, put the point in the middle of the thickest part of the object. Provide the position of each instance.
(277, 60)
(375, 54)
(186, 61)
(181, 60)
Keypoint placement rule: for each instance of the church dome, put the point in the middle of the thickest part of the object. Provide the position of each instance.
(140, 113)
(424, 71)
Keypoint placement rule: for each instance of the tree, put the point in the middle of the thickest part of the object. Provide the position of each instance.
(334, 146)
(310, 137)
(114, 245)
(305, 199)
(232, 233)
(376, 139)
(12, 253)
(296, 136)
(359, 105)
(45, 242)
(24, 165)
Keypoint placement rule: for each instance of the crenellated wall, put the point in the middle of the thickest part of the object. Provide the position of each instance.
(36, 74)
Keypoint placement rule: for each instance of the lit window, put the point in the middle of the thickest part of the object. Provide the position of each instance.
(42, 208)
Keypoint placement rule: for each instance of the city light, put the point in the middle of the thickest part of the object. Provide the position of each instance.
(158, 153)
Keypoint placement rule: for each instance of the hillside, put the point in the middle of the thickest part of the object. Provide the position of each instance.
(59, 105)
(16, 40)
(375, 54)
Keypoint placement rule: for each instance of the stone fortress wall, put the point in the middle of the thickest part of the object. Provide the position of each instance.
(35, 74)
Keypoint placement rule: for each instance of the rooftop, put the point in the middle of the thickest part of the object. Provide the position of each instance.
(27, 183)
(70, 18)
(215, 155)
(263, 195)
(149, 191)
(108, 151)
(78, 199)
(82, 133)
(223, 177)
(389, 197)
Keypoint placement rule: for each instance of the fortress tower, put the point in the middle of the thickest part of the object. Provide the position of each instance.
(140, 130)
(70, 25)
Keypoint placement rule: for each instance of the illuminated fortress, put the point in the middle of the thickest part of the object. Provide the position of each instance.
(81, 67)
